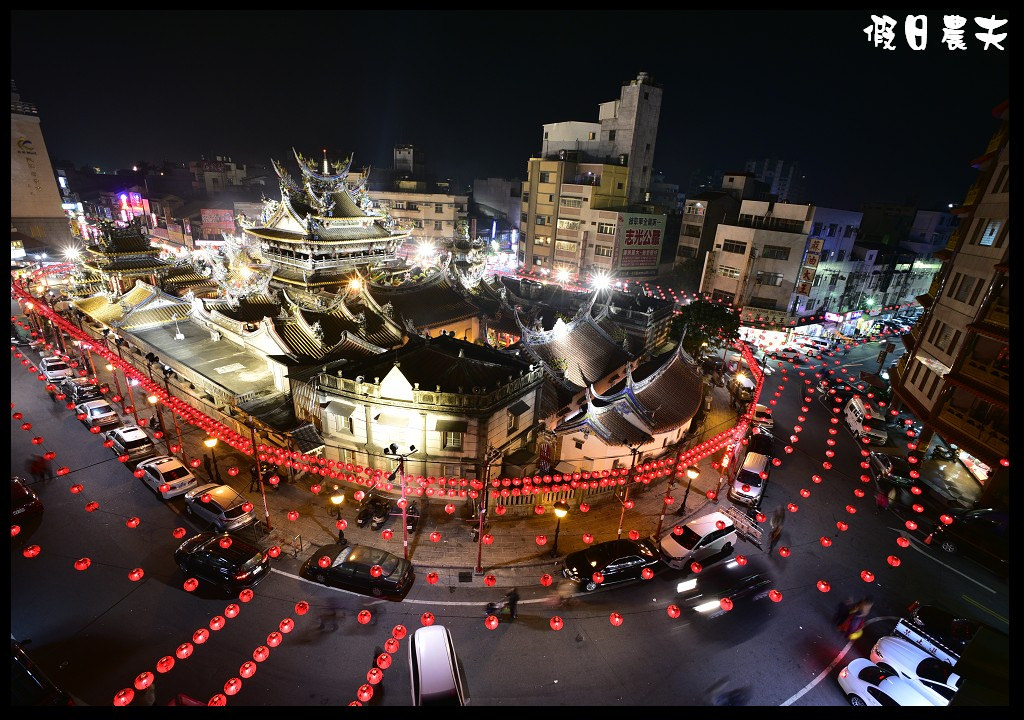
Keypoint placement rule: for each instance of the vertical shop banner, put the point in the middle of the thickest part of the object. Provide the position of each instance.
(638, 244)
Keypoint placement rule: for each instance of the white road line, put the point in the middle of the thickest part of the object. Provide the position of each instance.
(915, 543)
(831, 666)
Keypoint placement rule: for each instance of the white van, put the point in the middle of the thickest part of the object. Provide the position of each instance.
(817, 345)
(747, 487)
(856, 414)
(434, 667)
(700, 539)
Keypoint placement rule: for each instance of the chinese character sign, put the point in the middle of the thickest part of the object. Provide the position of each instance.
(216, 221)
(881, 32)
(639, 244)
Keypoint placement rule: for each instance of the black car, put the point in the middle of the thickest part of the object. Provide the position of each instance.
(703, 592)
(618, 560)
(711, 364)
(79, 390)
(374, 511)
(24, 502)
(29, 685)
(760, 440)
(982, 535)
(890, 470)
(350, 567)
(951, 630)
(239, 565)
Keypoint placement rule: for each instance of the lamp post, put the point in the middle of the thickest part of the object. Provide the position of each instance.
(155, 402)
(490, 456)
(561, 508)
(174, 418)
(392, 452)
(211, 442)
(259, 467)
(337, 498)
(692, 473)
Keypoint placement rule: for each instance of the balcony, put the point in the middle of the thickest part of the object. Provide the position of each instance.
(972, 432)
(988, 373)
(998, 314)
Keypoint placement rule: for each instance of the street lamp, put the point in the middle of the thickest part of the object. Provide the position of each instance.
(211, 442)
(392, 451)
(337, 498)
(692, 473)
(561, 507)
(490, 455)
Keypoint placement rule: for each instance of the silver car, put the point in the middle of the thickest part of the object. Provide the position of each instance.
(167, 477)
(220, 505)
(98, 413)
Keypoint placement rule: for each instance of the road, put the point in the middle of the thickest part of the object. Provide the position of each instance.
(93, 631)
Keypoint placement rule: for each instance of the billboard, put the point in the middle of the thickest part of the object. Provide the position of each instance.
(638, 244)
(216, 221)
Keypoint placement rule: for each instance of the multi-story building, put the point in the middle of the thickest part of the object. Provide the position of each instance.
(764, 260)
(956, 374)
(931, 230)
(498, 197)
(432, 215)
(784, 178)
(837, 231)
(36, 210)
(212, 176)
(703, 211)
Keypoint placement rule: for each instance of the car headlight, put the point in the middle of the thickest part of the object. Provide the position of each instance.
(707, 606)
(686, 585)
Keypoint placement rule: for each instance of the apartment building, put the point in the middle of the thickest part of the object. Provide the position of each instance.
(212, 176)
(956, 375)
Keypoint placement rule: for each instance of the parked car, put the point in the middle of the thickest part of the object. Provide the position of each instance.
(711, 364)
(700, 539)
(29, 684)
(231, 566)
(890, 470)
(80, 390)
(374, 511)
(130, 440)
(944, 452)
(619, 561)
(932, 677)
(763, 416)
(857, 418)
(55, 369)
(703, 592)
(98, 413)
(225, 508)
(350, 567)
(741, 389)
(434, 668)
(866, 684)
(24, 501)
(760, 440)
(748, 486)
(167, 476)
(983, 535)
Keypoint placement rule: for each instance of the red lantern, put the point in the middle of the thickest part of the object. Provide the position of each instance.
(902, 541)
(556, 623)
(399, 631)
(500, 509)
(673, 611)
(911, 525)
(364, 617)
(823, 586)
(598, 577)
(488, 539)
(427, 618)
(584, 507)
(867, 576)
(725, 603)
(435, 536)
(825, 541)
(490, 580)
(83, 563)
(293, 515)
(775, 595)
(546, 579)
(647, 573)
(615, 619)
(893, 560)
(136, 574)
(542, 539)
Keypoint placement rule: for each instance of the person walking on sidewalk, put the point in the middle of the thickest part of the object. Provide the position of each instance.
(512, 598)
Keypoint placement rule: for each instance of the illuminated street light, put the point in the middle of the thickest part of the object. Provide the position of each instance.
(561, 508)
(601, 281)
(562, 275)
(337, 498)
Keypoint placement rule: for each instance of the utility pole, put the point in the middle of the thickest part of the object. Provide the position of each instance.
(490, 456)
(629, 483)
(259, 473)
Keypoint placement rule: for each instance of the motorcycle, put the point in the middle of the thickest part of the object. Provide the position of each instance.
(374, 511)
(412, 516)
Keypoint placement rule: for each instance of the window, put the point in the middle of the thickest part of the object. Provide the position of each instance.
(524, 218)
(611, 134)
(418, 223)
(775, 252)
(809, 306)
(964, 291)
(1002, 184)
(579, 444)
(618, 186)
(817, 229)
(567, 224)
(543, 219)
(606, 228)
(542, 240)
(848, 232)
(817, 280)
(988, 237)
(438, 207)
(729, 272)
(437, 224)
(593, 136)
(691, 230)
(977, 291)
(763, 303)
(451, 440)
(399, 205)
(526, 196)
(451, 470)
(648, 148)
(551, 198)
(768, 278)
(602, 251)
(732, 246)
(832, 280)
(840, 256)
(935, 383)
(832, 230)
(944, 337)
(572, 202)
(686, 251)
(545, 177)
(643, 169)
(513, 420)
(566, 246)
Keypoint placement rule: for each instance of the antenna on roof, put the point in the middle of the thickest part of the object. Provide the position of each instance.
(326, 171)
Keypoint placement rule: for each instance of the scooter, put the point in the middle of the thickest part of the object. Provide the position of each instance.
(412, 516)
(380, 514)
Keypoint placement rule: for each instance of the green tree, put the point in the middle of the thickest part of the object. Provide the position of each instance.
(702, 322)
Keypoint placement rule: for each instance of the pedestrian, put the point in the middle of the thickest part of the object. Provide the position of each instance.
(853, 626)
(881, 501)
(254, 473)
(778, 518)
(35, 467)
(512, 598)
(843, 610)
(342, 540)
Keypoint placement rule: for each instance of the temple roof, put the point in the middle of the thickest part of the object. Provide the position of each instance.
(607, 422)
(427, 304)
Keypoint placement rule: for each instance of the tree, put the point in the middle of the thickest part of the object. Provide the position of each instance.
(702, 322)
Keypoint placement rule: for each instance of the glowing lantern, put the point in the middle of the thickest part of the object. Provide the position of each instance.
(545, 579)
(490, 580)
(823, 586)
(391, 645)
(274, 639)
(598, 577)
(435, 536)
(725, 603)
(893, 560)
(784, 551)
(584, 507)
(427, 618)
(902, 541)
(741, 559)
(647, 573)
(184, 651)
(488, 539)
(124, 697)
(696, 567)
(500, 509)
(364, 617)
(83, 563)
(542, 539)
(384, 661)
(232, 471)
(615, 619)
(673, 611)
(867, 576)
(556, 623)
(200, 636)
(775, 595)
(177, 532)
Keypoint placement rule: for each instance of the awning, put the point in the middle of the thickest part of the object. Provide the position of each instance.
(518, 408)
(336, 407)
(459, 426)
(392, 419)
(565, 468)
(982, 393)
(307, 438)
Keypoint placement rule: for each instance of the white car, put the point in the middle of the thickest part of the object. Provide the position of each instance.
(707, 536)
(55, 369)
(932, 677)
(763, 416)
(98, 413)
(220, 505)
(167, 477)
(866, 684)
(130, 440)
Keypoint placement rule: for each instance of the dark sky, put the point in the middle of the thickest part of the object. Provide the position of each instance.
(472, 89)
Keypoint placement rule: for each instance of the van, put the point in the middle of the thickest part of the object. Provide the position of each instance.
(700, 539)
(816, 344)
(864, 421)
(748, 486)
(434, 668)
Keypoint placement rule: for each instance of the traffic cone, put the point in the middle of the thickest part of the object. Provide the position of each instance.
(928, 539)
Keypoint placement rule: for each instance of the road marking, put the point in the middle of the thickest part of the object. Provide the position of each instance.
(831, 666)
(914, 545)
(978, 605)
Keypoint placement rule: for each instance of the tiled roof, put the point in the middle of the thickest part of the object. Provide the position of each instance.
(145, 317)
(132, 263)
(377, 331)
(140, 293)
(608, 424)
(671, 394)
(251, 309)
(427, 304)
(580, 349)
(300, 342)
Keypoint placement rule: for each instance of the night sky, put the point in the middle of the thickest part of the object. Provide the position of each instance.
(472, 89)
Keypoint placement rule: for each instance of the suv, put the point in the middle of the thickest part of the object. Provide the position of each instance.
(80, 390)
(130, 440)
(863, 422)
(700, 539)
(748, 486)
(225, 508)
(55, 369)
(166, 476)
(231, 566)
(435, 668)
(983, 535)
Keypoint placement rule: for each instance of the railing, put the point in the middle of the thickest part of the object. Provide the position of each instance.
(985, 434)
(987, 373)
(434, 399)
(998, 315)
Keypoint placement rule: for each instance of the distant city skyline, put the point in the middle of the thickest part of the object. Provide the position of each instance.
(471, 92)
